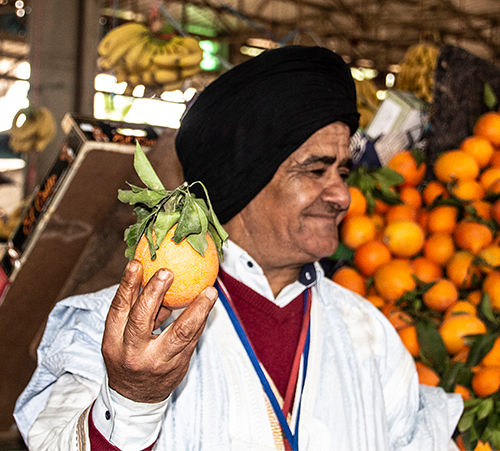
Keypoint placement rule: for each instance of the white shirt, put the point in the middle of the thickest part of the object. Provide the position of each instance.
(361, 390)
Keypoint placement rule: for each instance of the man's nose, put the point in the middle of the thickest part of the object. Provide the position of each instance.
(336, 191)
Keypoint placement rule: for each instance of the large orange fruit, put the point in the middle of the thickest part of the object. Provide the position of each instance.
(455, 165)
(426, 375)
(491, 257)
(495, 159)
(493, 356)
(488, 177)
(405, 164)
(394, 278)
(488, 126)
(478, 148)
(472, 236)
(433, 190)
(481, 209)
(192, 272)
(442, 219)
(370, 255)
(460, 308)
(426, 270)
(351, 279)
(356, 230)
(358, 202)
(454, 329)
(401, 212)
(486, 381)
(411, 196)
(491, 286)
(468, 190)
(439, 247)
(461, 270)
(409, 338)
(403, 238)
(441, 295)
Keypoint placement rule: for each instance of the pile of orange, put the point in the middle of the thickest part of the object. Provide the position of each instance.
(444, 237)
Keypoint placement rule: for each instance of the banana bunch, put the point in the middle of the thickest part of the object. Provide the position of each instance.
(138, 57)
(35, 133)
(367, 101)
(417, 71)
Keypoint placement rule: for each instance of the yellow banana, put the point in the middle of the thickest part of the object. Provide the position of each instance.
(133, 55)
(119, 34)
(167, 57)
(190, 71)
(162, 75)
(191, 59)
(173, 85)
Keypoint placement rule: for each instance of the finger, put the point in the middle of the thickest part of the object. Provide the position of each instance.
(163, 315)
(188, 326)
(127, 292)
(143, 313)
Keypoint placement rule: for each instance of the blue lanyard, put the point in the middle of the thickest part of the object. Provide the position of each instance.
(293, 439)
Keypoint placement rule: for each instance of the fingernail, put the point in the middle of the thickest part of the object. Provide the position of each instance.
(132, 265)
(163, 274)
(211, 293)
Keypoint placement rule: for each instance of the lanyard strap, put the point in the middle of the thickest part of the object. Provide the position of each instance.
(303, 342)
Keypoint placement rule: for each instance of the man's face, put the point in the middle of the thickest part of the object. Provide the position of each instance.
(295, 217)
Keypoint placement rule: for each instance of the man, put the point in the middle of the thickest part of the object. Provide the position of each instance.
(285, 359)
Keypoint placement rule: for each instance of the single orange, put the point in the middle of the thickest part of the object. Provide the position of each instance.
(491, 286)
(488, 126)
(356, 230)
(442, 219)
(441, 295)
(433, 190)
(482, 208)
(468, 190)
(455, 165)
(403, 238)
(358, 203)
(461, 270)
(379, 222)
(426, 375)
(396, 316)
(472, 236)
(460, 308)
(393, 279)
(409, 338)
(439, 247)
(411, 196)
(351, 279)
(405, 164)
(478, 148)
(376, 300)
(493, 356)
(370, 255)
(486, 381)
(491, 257)
(192, 272)
(401, 212)
(426, 270)
(488, 177)
(463, 391)
(454, 329)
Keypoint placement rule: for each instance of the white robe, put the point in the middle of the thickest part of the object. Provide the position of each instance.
(361, 391)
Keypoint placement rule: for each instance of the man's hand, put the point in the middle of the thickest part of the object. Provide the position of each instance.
(141, 366)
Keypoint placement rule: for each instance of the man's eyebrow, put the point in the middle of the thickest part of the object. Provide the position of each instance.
(327, 160)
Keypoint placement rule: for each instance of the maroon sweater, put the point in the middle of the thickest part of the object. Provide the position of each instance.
(273, 332)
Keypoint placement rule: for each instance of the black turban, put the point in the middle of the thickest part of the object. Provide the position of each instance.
(247, 122)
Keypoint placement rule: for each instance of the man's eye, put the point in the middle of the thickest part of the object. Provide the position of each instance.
(344, 174)
(318, 172)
